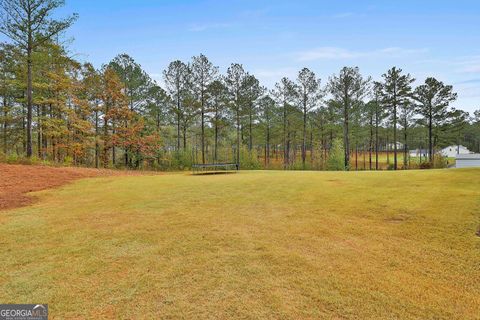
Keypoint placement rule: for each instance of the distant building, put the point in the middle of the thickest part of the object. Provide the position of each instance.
(467, 160)
(391, 146)
(419, 153)
(453, 151)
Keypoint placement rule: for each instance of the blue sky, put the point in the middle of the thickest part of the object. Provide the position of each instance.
(277, 38)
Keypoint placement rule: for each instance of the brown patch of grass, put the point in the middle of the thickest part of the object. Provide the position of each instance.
(16, 181)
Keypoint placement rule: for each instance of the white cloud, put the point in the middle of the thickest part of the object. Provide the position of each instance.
(335, 53)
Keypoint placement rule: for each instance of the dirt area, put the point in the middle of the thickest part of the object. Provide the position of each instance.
(17, 180)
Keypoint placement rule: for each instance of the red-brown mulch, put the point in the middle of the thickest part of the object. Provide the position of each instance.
(17, 180)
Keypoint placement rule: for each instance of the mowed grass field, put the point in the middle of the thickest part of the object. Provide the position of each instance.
(253, 245)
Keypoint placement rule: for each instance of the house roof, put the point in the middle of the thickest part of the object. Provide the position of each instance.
(455, 146)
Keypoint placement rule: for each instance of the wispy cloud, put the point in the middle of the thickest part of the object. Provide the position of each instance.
(470, 91)
(254, 14)
(470, 81)
(474, 68)
(336, 53)
(207, 26)
(469, 64)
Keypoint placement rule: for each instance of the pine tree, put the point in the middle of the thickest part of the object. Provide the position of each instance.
(234, 80)
(28, 24)
(396, 91)
(309, 93)
(217, 105)
(284, 94)
(176, 80)
(348, 89)
(203, 74)
(433, 99)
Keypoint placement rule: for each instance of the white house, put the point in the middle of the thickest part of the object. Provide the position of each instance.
(453, 151)
(423, 153)
(467, 160)
(391, 145)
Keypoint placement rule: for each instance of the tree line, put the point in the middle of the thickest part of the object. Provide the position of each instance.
(56, 109)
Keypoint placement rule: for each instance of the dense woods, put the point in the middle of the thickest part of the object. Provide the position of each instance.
(59, 110)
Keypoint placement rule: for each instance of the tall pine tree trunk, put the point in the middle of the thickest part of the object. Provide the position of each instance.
(346, 138)
(29, 98)
(126, 149)
(114, 151)
(178, 123)
(395, 164)
(364, 154)
(238, 134)
(356, 156)
(285, 147)
(387, 147)
(185, 136)
(267, 147)
(405, 146)
(370, 145)
(105, 140)
(96, 139)
(250, 131)
(44, 136)
(39, 133)
(376, 142)
(5, 125)
(430, 138)
(304, 138)
(215, 152)
(203, 128)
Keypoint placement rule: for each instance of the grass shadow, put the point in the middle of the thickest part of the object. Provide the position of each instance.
(210, 173)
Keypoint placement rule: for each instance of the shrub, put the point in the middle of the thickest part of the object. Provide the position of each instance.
(440, 161)
(391, 166)
(182, 159)
(336, 156)
(249, 159)
(68, 161)
(12, 158)
(318, 157)
(426, 165)
(298, 165)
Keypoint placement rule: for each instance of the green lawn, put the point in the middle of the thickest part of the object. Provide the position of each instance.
(259, 245)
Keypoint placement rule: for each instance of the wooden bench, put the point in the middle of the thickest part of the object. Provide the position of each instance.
(214, 167)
